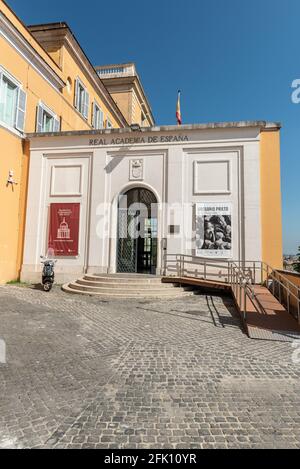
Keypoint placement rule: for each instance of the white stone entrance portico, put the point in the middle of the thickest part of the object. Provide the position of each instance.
(210, 164)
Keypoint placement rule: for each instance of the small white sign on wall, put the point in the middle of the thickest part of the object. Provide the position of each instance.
(213, 230)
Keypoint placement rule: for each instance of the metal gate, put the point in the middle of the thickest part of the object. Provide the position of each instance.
(127, 246)
(137, 232)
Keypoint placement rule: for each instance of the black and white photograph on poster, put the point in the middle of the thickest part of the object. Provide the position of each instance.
(213, 230)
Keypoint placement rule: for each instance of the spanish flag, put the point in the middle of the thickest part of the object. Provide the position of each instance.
(178, 112)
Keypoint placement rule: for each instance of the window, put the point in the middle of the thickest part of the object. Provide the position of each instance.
(12, 101)
(46, 120)
(81, 99)
(108, 124)
(97, 116)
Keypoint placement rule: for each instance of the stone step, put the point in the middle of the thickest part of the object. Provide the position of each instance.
(124, 285)
(114, 290)
(123, 278)
(69, 288)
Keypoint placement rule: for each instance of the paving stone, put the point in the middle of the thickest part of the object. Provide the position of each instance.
(83, 373)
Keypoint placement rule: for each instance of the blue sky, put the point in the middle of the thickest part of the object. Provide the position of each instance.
(232, 59)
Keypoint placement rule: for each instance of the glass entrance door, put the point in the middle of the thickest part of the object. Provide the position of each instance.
(147, 247)
(137, 232)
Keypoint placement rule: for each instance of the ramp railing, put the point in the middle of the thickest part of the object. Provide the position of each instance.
(241, 281)
(241, 275)
(184, 265)
(286, 292)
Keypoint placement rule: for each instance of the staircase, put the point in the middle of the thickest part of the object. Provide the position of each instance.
(125, 286)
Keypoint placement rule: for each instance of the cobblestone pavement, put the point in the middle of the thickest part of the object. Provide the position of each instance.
(83, 372)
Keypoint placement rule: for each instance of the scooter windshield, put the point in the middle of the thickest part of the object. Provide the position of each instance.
(50, 253)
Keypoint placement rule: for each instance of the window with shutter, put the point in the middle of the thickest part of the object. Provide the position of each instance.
(97, 116)
(46, 120)
(81, 99)
(12, 101)
(39, 118)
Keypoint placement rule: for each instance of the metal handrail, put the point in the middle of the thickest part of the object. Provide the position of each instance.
(241, 286)
(268, 268)
(240, 274)
(289, 289)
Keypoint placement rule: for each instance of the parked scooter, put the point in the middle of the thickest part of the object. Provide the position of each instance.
(48, 270)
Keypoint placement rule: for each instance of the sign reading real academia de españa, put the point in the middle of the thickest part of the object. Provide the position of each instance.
(138, 140)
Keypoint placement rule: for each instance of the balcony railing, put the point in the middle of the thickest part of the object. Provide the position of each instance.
(116, 71)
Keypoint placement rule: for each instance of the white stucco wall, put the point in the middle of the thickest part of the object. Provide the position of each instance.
(211, 165)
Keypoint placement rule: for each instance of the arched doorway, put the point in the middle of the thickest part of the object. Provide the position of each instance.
(137, 232)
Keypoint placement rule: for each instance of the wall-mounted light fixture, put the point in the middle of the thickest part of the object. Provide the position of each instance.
(10, 180)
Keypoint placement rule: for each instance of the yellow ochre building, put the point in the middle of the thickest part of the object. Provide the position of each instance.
(48, 84)
(79, 137)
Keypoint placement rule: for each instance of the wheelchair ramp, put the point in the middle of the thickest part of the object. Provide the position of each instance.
(273, 322)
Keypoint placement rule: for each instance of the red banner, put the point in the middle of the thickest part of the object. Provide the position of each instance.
(64, 229)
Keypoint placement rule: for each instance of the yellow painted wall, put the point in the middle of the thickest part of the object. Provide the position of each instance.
(271, 198)
(123, 101)
(130, 106)
(55, 52)
(14, 150)
(37, 88)
(136, 109)
(22, 203)
(72, 70)
(10, 158)
(26, 34)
